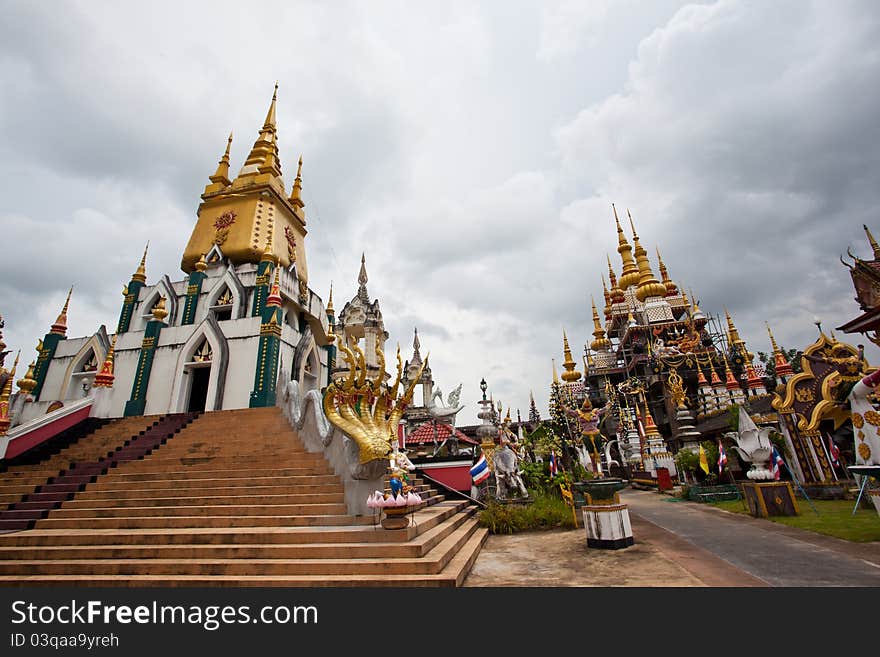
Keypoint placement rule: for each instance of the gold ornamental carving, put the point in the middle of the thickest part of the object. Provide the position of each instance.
(368, 410)
(221, 226)
(804, 395)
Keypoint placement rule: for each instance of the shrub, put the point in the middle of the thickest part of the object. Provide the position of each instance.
(546, 511)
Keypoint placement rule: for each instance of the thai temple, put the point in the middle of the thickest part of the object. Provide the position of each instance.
(667, 370)
(227, 405)
(218, 338)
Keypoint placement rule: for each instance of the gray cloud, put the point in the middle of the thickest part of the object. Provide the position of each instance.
(472, 152)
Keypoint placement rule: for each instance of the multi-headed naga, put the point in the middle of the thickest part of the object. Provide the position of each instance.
(368, 410)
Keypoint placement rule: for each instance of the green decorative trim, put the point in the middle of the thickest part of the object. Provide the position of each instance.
(261, 292)
(130, 301)
(50, 344)
(266, 373)
(138, 401)
(193, 290)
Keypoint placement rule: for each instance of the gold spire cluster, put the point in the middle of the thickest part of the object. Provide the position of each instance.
(264, 154)
(630, 273)
(570, 375)
(600, 342)
(648, 285)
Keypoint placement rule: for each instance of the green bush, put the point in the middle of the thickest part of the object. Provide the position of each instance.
(546, 511)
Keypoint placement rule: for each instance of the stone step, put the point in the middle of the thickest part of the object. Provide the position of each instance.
(163, 490)
(163, 499)
(118, 474)
(431, 563)
(313, 549)
(108, 482)
(452, 575)
(163, 460)
(89, 513)
(368, 531)
(221, 521)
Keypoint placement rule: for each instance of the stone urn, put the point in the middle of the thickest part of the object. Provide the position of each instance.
(598, 491)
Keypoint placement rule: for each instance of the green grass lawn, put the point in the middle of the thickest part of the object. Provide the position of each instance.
(835, 518)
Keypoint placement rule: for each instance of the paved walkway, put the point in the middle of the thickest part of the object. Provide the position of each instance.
(772, 553)
(679, 544)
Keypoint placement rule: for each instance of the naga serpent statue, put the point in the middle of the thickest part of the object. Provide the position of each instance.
(368, 411)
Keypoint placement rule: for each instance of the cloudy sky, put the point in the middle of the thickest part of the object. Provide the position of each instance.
(471, 150)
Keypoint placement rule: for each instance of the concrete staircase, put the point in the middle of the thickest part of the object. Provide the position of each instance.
(232, 499)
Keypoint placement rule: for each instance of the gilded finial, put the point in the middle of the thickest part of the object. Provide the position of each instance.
(263, 158)
(141, 273)
(60, 325)
(268, 251)
(600, 343)
(202, 264)
(873, 242)
(105, 378)
(296, 192)
(330, 300)
(570, 374)
(630, 274)
(27, 383)
(221, 175)
(274, 298)
(159, 312)
(648, 285)
(671, 287)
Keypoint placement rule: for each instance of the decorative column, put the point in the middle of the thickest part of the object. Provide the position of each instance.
(266, 375)
(331, 347)
(26, 386)
(193, 290)
(138, 401)
(131, 292)
(102, 388)
(5, 393)
(264, 271)
(47, 346)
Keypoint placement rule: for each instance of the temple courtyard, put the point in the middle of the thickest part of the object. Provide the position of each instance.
(679, 544)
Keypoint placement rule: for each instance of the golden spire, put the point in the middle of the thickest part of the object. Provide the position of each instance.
(696, 313)
(649, 426)
(601, 343)
(783, 367)
(731, 382)
(570, 375)
(648, 285)
(296, 193)
(159, 312)
(27, 383)
(606, 294)
(616, 293)
(555, 375)
(873, 242)
(141, 273)
(263, 157)
(671, 288)
(5, 394)
(330, 300)
(732, 334)
(701, 380)
(268, 253)
(60, 325)
(715, 380)
(630, 273)
(221, 175)
(105, 378)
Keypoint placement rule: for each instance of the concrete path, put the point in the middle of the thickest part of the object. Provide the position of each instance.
(774, 554)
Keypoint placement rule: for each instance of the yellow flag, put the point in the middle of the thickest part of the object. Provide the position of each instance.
(704, 463)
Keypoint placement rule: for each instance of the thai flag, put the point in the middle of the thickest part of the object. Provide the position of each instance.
(834, 451)
(480, 470)
(554, 469)
(775, 462)
(722, 457)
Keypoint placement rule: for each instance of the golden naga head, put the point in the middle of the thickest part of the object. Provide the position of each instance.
(368, 410)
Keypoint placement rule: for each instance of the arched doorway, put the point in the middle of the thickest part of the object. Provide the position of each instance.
(197, 373)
